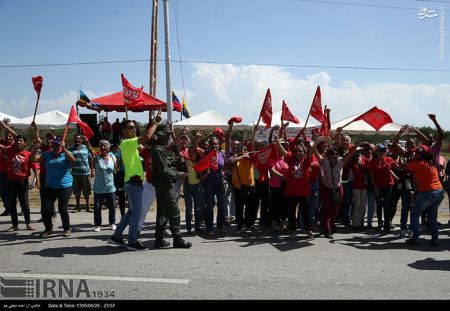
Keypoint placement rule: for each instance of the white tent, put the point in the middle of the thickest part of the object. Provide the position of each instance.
(48, 120)
(207, 120)
(361, 127)
(7, 116)
(276, 119)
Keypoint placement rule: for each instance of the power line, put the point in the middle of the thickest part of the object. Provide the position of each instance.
(359, 4)
(231, 63)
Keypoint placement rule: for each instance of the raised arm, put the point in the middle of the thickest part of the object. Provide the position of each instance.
(144, 139)
(68, 154)
(228, 136)
(440, 133)
(280, 147)
(4, 125)
(395, 144)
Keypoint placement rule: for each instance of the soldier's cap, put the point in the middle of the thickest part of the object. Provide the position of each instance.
(163, 129)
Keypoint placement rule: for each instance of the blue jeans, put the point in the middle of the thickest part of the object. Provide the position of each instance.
(346, 204)
(384, 206)
(110, 199)
(194, 194)
(427, 202)
(370, 206)
(313, 203)
(133, 214)
(406, 197)
(212, 191)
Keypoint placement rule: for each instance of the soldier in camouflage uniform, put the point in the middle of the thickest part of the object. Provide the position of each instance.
(164, 175)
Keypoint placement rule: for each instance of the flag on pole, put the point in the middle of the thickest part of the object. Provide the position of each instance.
(73, 117)
(206, 162)
(84, 101)
(262, 158)
(287, 115)
(324, 128)
(316, 106)
(37, 84)
(185, 110)
(266, 110)
(131, 95)
(176, 102)
(375, 117)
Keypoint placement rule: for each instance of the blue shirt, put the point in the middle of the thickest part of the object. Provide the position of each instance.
(57, 171)
(82, 160)
(104, 175)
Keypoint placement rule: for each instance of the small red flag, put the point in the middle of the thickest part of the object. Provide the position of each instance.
(324, 129)
(375, 117)
(210, 160)
(316, 106)
(287, 115)
(266, 110)
(37, 84)
(262, 158)
(131, 95)
(73, 117)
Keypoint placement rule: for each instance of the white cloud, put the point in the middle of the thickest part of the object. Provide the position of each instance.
(233, 90)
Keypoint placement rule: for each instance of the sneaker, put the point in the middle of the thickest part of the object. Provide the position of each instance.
(113, 240)
(113, 227)
(402, 233)
(46, 233)
(180, 243)
(137, 246)
(67, 233)
(13, 229)
(97, 229)
(310, 235)
(30, 227)
(329, 236)
(160, 243)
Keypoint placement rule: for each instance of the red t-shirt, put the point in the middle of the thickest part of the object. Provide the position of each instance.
(359, 171)
(314, 170)
(4, 157)
(297, 183)
(145, 154)
(18, 163)
(381, 171)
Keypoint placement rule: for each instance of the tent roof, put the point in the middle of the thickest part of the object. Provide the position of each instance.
(209, 119)
(48, 120)
(7, 116)
(114, 102)
(361, 127)
(276, 119)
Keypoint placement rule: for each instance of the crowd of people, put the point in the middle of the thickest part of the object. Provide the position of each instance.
(307, 185)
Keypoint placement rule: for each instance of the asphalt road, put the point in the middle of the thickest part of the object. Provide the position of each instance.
(254, 265)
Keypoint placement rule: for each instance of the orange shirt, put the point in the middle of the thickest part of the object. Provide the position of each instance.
(425, 175)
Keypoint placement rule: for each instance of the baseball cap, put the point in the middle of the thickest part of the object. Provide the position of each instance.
(163, 129)
(381, 148)
(57, 141)
(422, 149)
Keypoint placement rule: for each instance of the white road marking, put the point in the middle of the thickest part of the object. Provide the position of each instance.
(95, 277)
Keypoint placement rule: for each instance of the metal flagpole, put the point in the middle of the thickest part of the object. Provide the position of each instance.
(153, 53)
(168, 82)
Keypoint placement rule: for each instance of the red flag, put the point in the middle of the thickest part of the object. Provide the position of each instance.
(287, 115)
(262, 158)
(266, 110)
(210, 160)
(73, 117)
(316, 106)
(324, 128)
(37, 84)
(375, 117)
(131, 95)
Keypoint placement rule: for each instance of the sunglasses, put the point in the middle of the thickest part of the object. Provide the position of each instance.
(131, 127)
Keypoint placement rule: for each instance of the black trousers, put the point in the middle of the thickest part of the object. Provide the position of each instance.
(63, 196)
(18, 189)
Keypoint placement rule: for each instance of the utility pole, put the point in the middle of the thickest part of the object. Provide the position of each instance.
(153, 52)
(168, 82)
